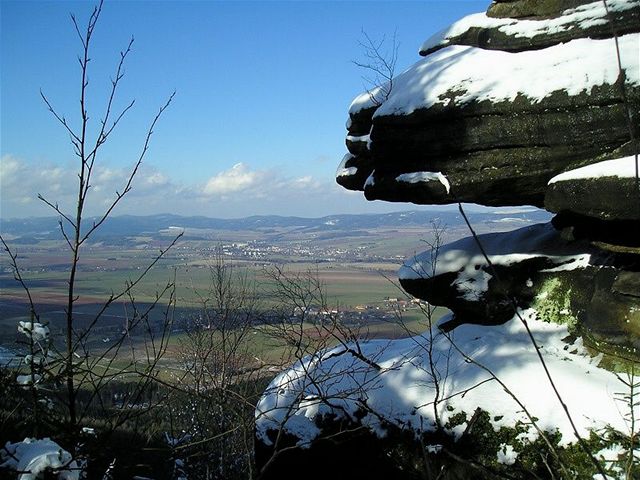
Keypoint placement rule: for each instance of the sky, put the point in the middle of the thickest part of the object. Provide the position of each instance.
(257, 124)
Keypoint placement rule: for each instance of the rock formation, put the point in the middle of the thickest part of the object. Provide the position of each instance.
(594, 291)
(524, 105)
(533, 103)
(499, 124)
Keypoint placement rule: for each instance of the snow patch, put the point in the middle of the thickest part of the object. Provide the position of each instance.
(370, 180)
(27, 380)
(343, 170)
(510, 220)
(418, 177)
(359, 139)
(619, 167)
(346, 172)
(506, 454)
(37, 331)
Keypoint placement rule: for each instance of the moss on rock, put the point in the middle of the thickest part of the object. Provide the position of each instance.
(553, 303)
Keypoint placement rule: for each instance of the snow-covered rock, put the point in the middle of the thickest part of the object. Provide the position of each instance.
(607, 190)
(33, 459)
(420, 377)
(525, 25)
(500, 121)
(568, 281)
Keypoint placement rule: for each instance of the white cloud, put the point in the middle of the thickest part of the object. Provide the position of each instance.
(21, 182)
(235, 192)
(156, 179)
(304, 182)
(9, 169)
(236, 179)
(105, 175)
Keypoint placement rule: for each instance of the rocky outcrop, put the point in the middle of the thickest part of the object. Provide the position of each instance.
(607, 190)
(528, 104)
(500, 125)
(566, 281)
(411, 407)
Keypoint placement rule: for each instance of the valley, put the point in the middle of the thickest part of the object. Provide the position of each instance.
(354, 257)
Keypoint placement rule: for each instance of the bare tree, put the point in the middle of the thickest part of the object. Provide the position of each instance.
(77, 367)
(214, 398)
(315, 337)
(379, 64)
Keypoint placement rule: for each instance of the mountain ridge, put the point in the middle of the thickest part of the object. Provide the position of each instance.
(48, 227)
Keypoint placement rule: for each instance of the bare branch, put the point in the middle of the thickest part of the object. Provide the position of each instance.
(134, 171)
(56, 208)
(61, 119)
(104, 131)
(380, 62)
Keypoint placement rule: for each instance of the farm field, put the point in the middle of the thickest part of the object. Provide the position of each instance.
(103, 272)
(357, 268)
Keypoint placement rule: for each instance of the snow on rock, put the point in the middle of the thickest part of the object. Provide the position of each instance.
(600, 191)
(360, 138)
(353, 170)
(347, 171)
(343, 170)
(567, 281)
(370, 182)
(620, 167)
(37, 331)
(33, 458)
(335, 382)
(499, 106)
(581, 18)
(466, 258)
(418, 177)
(462, 74)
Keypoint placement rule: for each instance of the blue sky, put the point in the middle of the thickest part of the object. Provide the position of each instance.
(258, 122)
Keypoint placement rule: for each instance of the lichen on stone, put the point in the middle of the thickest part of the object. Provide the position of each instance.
(553, 303)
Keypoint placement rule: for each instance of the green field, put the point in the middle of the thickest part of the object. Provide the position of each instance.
(104, 271)
(107, 272)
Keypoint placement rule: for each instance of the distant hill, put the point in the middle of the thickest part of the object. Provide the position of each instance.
(43, 228)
